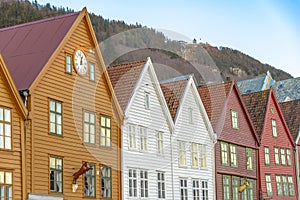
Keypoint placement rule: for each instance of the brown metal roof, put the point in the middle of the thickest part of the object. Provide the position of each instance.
(124, 78)
(26, 48)
(291, 113)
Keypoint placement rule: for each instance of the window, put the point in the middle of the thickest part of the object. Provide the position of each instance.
(143, 138)
(183, 189)
(204, 190)
(196, 190)
(190, 115)
(288, 157)
(279, 185)
(282, 155)
(160, 143)
(5, 128)
(276, 151)
(234, 119)
(235, 188)
(224, 153)
(269, 185)
(248, 193)
(56, 174)
(233, 155)
(132, 137)
(285, 186)
(92, 72)
(203, 162)
(106, 182)
(182, 154)
(267, 156)
(55, 117)
(195, 155)
(161, 185)
(89, 127)
(274, 128)
(89, 182)
(291, 186)
(249, 158)
(144, 183)
(6, 185)
(105, 131)
(226, 187)
(68, 63)
(147, 100)
(132, 177)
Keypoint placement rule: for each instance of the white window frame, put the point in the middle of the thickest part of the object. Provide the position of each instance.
(92, 71)
(234, 119)
(277, 155)
(6, 184)
(144, 184)
(233, 155)
(89, 128)
(182, 153)
(183, 188)
(132, 183)
(274, 128)
(143, 138)
(105, 125)
(161, 185)
(5, 128)
(147, 100)
(282, 156)
(196, 189)
(267, 155)
(269, 185)
(132, 136)
(204, 190)
(160, 142)
(69, 63)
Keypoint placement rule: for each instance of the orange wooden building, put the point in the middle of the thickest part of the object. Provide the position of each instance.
(74, 116)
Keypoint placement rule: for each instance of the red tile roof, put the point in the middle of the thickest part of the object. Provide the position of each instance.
(213, 98)
(26, 48)
(124, 78)
(256, 104)
(173, 92)
(291, 113)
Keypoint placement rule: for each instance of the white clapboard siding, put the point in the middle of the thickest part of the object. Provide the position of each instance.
(199, 131)
(155, 119)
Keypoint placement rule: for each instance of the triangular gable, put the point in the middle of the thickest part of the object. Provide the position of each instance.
(273, 97)
(12, 88)
(191, 86)
(83, 15)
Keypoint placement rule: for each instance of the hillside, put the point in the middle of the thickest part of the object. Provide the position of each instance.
(137, 42)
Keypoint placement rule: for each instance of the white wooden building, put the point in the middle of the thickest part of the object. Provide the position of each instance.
(146, 132)
(193, 141)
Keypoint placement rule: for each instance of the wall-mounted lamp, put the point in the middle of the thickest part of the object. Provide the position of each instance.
(74, 187)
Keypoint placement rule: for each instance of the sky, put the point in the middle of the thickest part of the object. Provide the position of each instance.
(268, 30)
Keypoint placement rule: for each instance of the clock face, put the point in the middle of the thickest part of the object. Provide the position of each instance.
(80, 62)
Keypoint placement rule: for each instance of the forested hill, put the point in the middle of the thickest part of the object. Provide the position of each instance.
(231, 63)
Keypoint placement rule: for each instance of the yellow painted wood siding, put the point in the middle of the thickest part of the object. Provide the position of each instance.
(77, 94)
(11, 160)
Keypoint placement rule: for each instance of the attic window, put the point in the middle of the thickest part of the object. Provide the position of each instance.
(190, 115)
(147, 100)
(274, 128)
(234, 119)
(68, 64)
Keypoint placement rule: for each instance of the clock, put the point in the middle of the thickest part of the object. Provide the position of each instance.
(80, 62)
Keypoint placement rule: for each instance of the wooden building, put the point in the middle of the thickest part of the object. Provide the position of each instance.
(13, 115)
(276, 157)
(291, 113)
(237, 147)
(192, 141)
(146, 132)
(73, 145)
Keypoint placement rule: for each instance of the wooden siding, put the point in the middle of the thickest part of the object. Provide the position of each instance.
(155, 121)
(77, 94)
(283, 141)
(242, 137)
(11, 160)
(195, 132)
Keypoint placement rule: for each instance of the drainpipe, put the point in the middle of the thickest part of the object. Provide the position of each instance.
(172, 170)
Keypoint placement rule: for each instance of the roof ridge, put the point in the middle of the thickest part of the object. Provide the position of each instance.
(135, 63)
(39, 21)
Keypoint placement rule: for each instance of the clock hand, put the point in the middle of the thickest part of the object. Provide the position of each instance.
(81, 60)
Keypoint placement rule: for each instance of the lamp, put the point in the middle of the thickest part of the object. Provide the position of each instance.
(74, 187)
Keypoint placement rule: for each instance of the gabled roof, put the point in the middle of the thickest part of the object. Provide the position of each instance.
(12, 88)
(256, 84)
(287, 89)
(214, 98)
(26, 48)
(291, 113)
(173, 92)
(124, 78)
(256, 104)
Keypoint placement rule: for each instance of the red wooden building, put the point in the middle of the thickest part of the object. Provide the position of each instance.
(237, 147)
(276, 157)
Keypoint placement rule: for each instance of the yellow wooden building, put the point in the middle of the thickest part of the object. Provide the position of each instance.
(73, 134)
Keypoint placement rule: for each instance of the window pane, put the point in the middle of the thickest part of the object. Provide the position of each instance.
(7, 130)
(1, 177)
(7, 143)
(8, 177)
(7, 115)
(1, 142)
(52, 106)
(1, 129)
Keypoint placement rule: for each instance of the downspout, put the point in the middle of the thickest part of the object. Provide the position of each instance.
(297, 162)
(172, 170)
